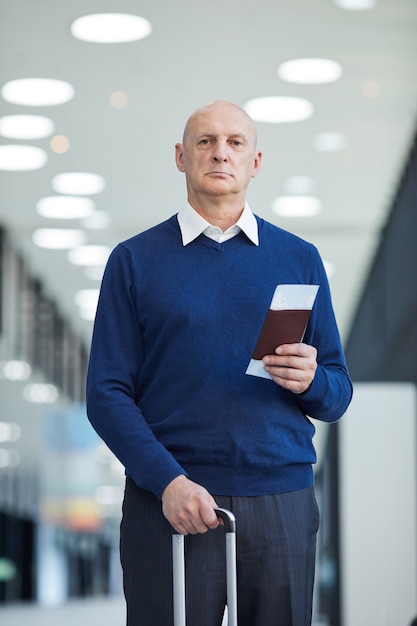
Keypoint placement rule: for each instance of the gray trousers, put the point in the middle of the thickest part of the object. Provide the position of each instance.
(276, 545)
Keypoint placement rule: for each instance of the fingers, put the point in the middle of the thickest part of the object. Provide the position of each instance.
(189, 507)
(302, 350)
(293, 366)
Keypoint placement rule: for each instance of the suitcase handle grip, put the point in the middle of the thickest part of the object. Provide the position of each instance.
(228, 518)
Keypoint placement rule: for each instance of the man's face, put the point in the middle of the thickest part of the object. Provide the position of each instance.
(218, 154)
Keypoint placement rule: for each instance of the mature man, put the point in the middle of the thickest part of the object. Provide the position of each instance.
(180, 310)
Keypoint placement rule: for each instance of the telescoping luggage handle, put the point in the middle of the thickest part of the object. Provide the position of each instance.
(179, 570)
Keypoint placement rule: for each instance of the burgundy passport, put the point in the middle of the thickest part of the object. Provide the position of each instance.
(282, 326)
(285, 322)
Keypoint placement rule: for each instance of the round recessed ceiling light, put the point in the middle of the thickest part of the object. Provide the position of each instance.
(296, 206)
(356, 5)
(118, 100)
(41, 393)
(330, 142)
(65, 207)
(89, 255)
(310, 71)
(10, 431)
(371, 89)
(37, 92)
(279, 110)
(299, 185)
(58, 238)
(87, 313)
(78, 183)
(110, 28)
(15, 158)
(26, 126)
(16, 370)
(87, 298)
(59, 144)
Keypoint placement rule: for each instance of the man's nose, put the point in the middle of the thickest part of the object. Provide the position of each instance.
(220, 152)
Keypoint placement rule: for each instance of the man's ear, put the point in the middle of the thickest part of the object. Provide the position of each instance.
(179, 149)
(257, 164)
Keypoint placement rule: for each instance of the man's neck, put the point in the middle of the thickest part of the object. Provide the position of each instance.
(221, 213)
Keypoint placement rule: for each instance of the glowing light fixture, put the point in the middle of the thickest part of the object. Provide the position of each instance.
(86, 301)
(16, 158)
(65, 207)
(296, 206)
(299, 185)
(87, 313)
(9, 431)
(26, 126)
(89, 255)
(15, 370)
(40, 393)
(58, 238)
(371, 89)
(279, 110)
(356, 5)
(310, 71)
(87, 297)
(110, 28)
(78, 183)
(59, 144)
(37, 92)
(118, 100)
(330, 142)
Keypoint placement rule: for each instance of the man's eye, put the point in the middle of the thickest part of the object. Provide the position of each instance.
(204, 142)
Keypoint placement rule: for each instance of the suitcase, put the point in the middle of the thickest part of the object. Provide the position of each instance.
(178, 564)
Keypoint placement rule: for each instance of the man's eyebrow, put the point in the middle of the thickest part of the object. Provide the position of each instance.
(233, 135)
(239, 136)
(205, 134)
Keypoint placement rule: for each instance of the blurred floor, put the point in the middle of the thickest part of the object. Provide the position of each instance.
(91, 612)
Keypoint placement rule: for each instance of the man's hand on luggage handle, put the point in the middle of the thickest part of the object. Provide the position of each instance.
(189, 507)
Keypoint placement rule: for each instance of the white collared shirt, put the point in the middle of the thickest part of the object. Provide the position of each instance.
(192, 225)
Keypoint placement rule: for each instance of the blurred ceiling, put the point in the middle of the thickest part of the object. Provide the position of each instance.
(198, 52)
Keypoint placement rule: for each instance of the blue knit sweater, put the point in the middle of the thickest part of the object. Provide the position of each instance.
(173, 335)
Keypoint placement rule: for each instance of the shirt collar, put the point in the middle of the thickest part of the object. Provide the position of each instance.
(192, 224)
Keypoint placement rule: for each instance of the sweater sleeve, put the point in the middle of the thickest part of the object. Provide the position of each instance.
(112, 382)
(331, 391)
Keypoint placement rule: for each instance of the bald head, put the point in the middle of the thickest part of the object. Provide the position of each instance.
(222, 109)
